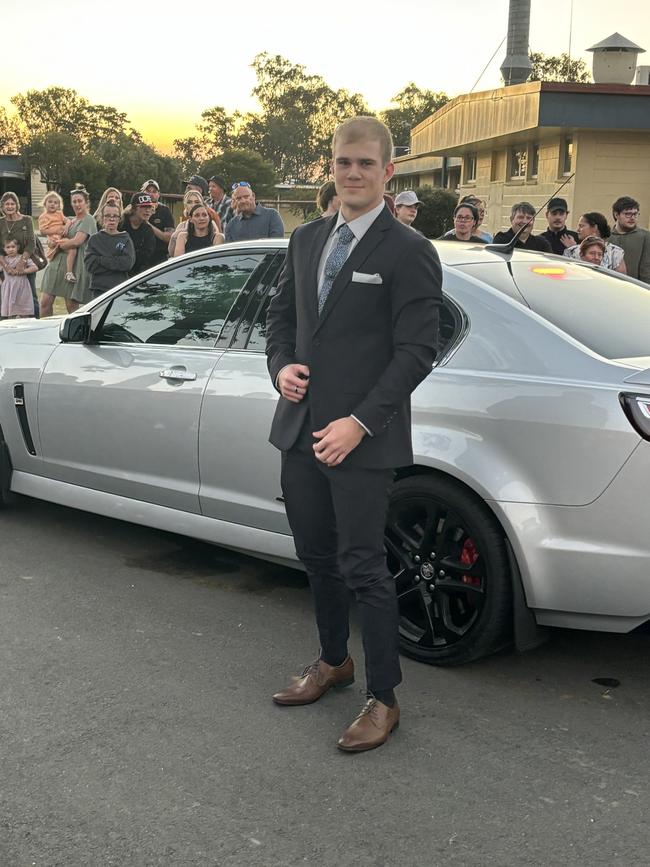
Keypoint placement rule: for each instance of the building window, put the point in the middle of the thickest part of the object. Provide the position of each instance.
(518, 163)
(566, 156)
(469, 168)
(533, 161)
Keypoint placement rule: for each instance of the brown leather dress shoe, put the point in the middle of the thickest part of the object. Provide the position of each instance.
(371, 728)
(314, 682)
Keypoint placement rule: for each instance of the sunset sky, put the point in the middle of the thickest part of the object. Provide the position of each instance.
(164, 65)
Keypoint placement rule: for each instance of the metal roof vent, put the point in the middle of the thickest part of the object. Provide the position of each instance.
(516, 67)
(615, 60)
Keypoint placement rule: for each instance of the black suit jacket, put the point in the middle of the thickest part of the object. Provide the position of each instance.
(372, 344)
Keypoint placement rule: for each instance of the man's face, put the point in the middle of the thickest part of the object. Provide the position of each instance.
(243, 199)
(144, 211)
(556, 219)
(154, 192)
(406, 213)
(360, 175)
(627, 219)
(522, 219)
(215, 191)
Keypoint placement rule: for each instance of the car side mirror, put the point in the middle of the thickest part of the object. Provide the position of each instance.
(76, 329)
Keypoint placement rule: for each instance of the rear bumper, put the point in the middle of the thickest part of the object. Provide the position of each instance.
(587, 567)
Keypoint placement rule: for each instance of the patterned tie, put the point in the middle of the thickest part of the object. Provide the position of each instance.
(334, 263)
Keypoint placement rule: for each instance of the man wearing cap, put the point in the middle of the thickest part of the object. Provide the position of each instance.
(406, 207)
(218, 200)
(136, 223)
(196, 182)
(161, 221)
(557, 234)
(252, 221)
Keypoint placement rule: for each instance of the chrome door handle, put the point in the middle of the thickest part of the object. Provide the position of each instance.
(178, 374)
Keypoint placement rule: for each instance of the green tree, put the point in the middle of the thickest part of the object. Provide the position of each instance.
(435, 214)
(243, 165)
(558, 68)
(64, 110)
(9, 133)
(408, 108)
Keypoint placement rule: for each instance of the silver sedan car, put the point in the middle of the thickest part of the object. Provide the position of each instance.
(524, 506)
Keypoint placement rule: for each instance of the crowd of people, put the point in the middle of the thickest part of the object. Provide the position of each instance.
(87, 254)
(622, 247)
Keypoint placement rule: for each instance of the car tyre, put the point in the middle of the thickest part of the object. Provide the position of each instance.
(448, 556)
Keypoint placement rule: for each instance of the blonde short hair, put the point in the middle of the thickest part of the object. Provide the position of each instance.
(52, 195)
(361, 128)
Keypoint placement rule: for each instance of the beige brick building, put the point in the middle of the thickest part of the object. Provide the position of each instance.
(521, 142)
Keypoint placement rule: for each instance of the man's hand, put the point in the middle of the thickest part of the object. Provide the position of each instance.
(293, 382)
(337, 440)
(20, 266)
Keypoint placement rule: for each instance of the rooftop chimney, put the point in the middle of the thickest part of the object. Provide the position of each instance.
(615, 60)
(516, 67)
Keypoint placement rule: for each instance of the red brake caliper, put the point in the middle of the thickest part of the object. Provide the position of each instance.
(469, 556)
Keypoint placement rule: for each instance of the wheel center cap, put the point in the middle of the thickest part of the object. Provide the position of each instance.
(426, 571)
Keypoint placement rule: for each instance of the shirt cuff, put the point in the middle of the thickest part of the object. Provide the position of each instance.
(369, 432)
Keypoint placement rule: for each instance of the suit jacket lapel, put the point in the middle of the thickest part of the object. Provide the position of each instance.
(356, 258)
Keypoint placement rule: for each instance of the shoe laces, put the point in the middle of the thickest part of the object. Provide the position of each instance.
(312, 669)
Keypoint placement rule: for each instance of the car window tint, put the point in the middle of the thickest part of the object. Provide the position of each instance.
(252, 329)
(186, 305)
(451, 326)
(249, 302)
(608, 314)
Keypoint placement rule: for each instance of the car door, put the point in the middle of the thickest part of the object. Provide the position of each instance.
(121, 414)
(240, 469)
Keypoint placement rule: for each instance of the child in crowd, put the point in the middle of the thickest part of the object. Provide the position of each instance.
(53, 224)
(15, 292)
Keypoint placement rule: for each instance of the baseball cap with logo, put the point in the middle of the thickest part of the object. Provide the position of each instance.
(141, 199)
(408, 197)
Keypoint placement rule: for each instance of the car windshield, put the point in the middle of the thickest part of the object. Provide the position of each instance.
(608, 314)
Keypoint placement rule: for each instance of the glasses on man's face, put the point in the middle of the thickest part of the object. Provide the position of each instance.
(464, 219)
(111, 217)
(240, 184)
(630, 213)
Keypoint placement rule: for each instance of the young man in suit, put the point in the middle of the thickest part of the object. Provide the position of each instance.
(351, 332)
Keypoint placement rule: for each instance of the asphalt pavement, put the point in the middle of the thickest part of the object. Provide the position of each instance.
(136, 669)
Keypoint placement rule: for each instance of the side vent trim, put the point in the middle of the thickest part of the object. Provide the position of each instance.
(23, 421)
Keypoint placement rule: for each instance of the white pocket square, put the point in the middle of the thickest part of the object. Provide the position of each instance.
(359, 277)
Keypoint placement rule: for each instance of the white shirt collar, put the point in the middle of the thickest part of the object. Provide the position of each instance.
(361, 224)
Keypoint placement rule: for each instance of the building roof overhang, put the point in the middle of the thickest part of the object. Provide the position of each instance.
(511, 114)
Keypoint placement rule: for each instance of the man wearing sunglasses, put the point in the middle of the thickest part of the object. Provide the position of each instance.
(251, 221)
(633, 239)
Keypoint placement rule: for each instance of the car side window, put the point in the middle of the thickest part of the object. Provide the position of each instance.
(251, 333)
(185, 305)
(451, 325)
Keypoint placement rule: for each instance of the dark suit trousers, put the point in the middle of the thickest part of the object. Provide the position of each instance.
(337, 516)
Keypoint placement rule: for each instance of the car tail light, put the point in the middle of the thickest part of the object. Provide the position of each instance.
(637, 409)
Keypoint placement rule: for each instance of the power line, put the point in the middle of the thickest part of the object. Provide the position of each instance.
(488, 63)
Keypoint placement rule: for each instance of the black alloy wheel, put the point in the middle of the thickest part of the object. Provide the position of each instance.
(447, 554)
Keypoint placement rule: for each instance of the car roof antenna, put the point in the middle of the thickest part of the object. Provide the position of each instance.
(510, 246)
